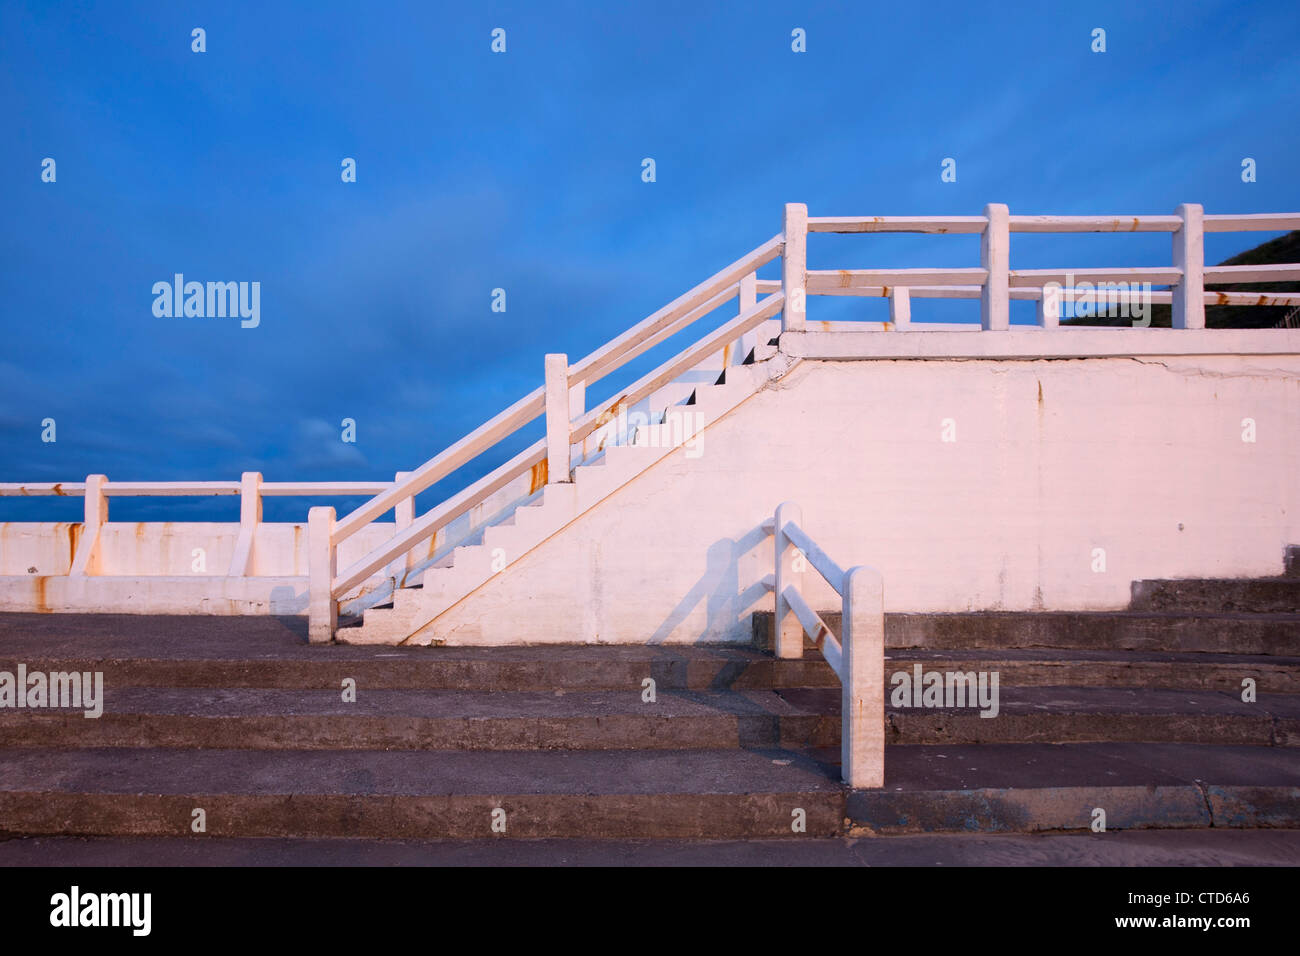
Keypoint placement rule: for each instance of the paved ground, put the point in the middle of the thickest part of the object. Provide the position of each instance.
(1116, 848)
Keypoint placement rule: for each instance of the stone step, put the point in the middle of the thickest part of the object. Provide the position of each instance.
(732, 794)
(265, 652)
(1271, 634)
(258, 718)
(417, 794)
(1087, 715)
(1075, 667)
(271, 719)
(1040, 787)
(1219, 595)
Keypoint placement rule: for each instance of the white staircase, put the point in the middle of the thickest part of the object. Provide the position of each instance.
(412, 615)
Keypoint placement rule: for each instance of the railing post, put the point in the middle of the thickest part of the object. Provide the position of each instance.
(1189, 256)
(87, 559)
(995, 256)
(403, 516)
(557, 418)
(1049, 307)
(794, 268)
(787, 632)
(322, 566)
(900, 307)
(250, 516)
(747, 299)
(862, 738)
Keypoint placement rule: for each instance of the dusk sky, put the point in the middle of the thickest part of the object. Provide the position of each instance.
(523, 171)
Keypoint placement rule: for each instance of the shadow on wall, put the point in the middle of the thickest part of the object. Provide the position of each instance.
(718, 586)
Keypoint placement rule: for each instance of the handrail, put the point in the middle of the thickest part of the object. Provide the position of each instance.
(604, 360)
(194, 489)
(684, 360)
(427, 525)
(625, 347)
(858, 659)
(819, 559)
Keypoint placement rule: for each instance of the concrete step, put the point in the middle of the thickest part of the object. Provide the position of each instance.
(1074, 667)
(1040, 787)
(1085, 715)
(259, 718)
(1251, 634)
(731, 794)
(1219, 595)
(162, 651)
(417, 794)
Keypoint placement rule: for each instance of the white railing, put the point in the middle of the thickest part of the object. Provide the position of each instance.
(858, 660)
(562, 397)
(250, 488)
(994, 283)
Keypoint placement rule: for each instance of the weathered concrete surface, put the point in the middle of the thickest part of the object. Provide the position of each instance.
(1240, 633)
(196, 651)
(1279, 595)
(1017, 788)
(621, 795)
(419, 794)
(790, 717)
(1114, 848)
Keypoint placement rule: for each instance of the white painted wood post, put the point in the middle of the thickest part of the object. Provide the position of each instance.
(787, 632)
(900, 307)
(862, 739)
(322, 566)
(747, 299)
(794, 268)
(557, 418)
(995, 256)
(403, 516)
(88, 560)
(1049, 307)
(1189, 256)
(250, 516)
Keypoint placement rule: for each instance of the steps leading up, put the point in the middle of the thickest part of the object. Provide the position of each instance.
(411, 611)
(1039, 787)
(418, 794)
(1140, 713)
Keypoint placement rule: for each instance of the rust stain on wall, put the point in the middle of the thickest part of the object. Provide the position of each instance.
(537, 476)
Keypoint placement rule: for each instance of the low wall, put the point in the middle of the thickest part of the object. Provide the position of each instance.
(976, 483)
(165, 567)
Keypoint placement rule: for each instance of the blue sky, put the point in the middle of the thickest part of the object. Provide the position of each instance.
(522, 171)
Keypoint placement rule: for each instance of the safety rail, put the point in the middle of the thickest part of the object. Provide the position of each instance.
(250, 488)
(994, 283)
(858, 659)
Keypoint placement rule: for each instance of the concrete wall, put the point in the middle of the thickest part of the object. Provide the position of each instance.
(1141, 457)
(151, 568)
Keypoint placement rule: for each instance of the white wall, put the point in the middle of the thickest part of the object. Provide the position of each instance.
(1142, 457)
